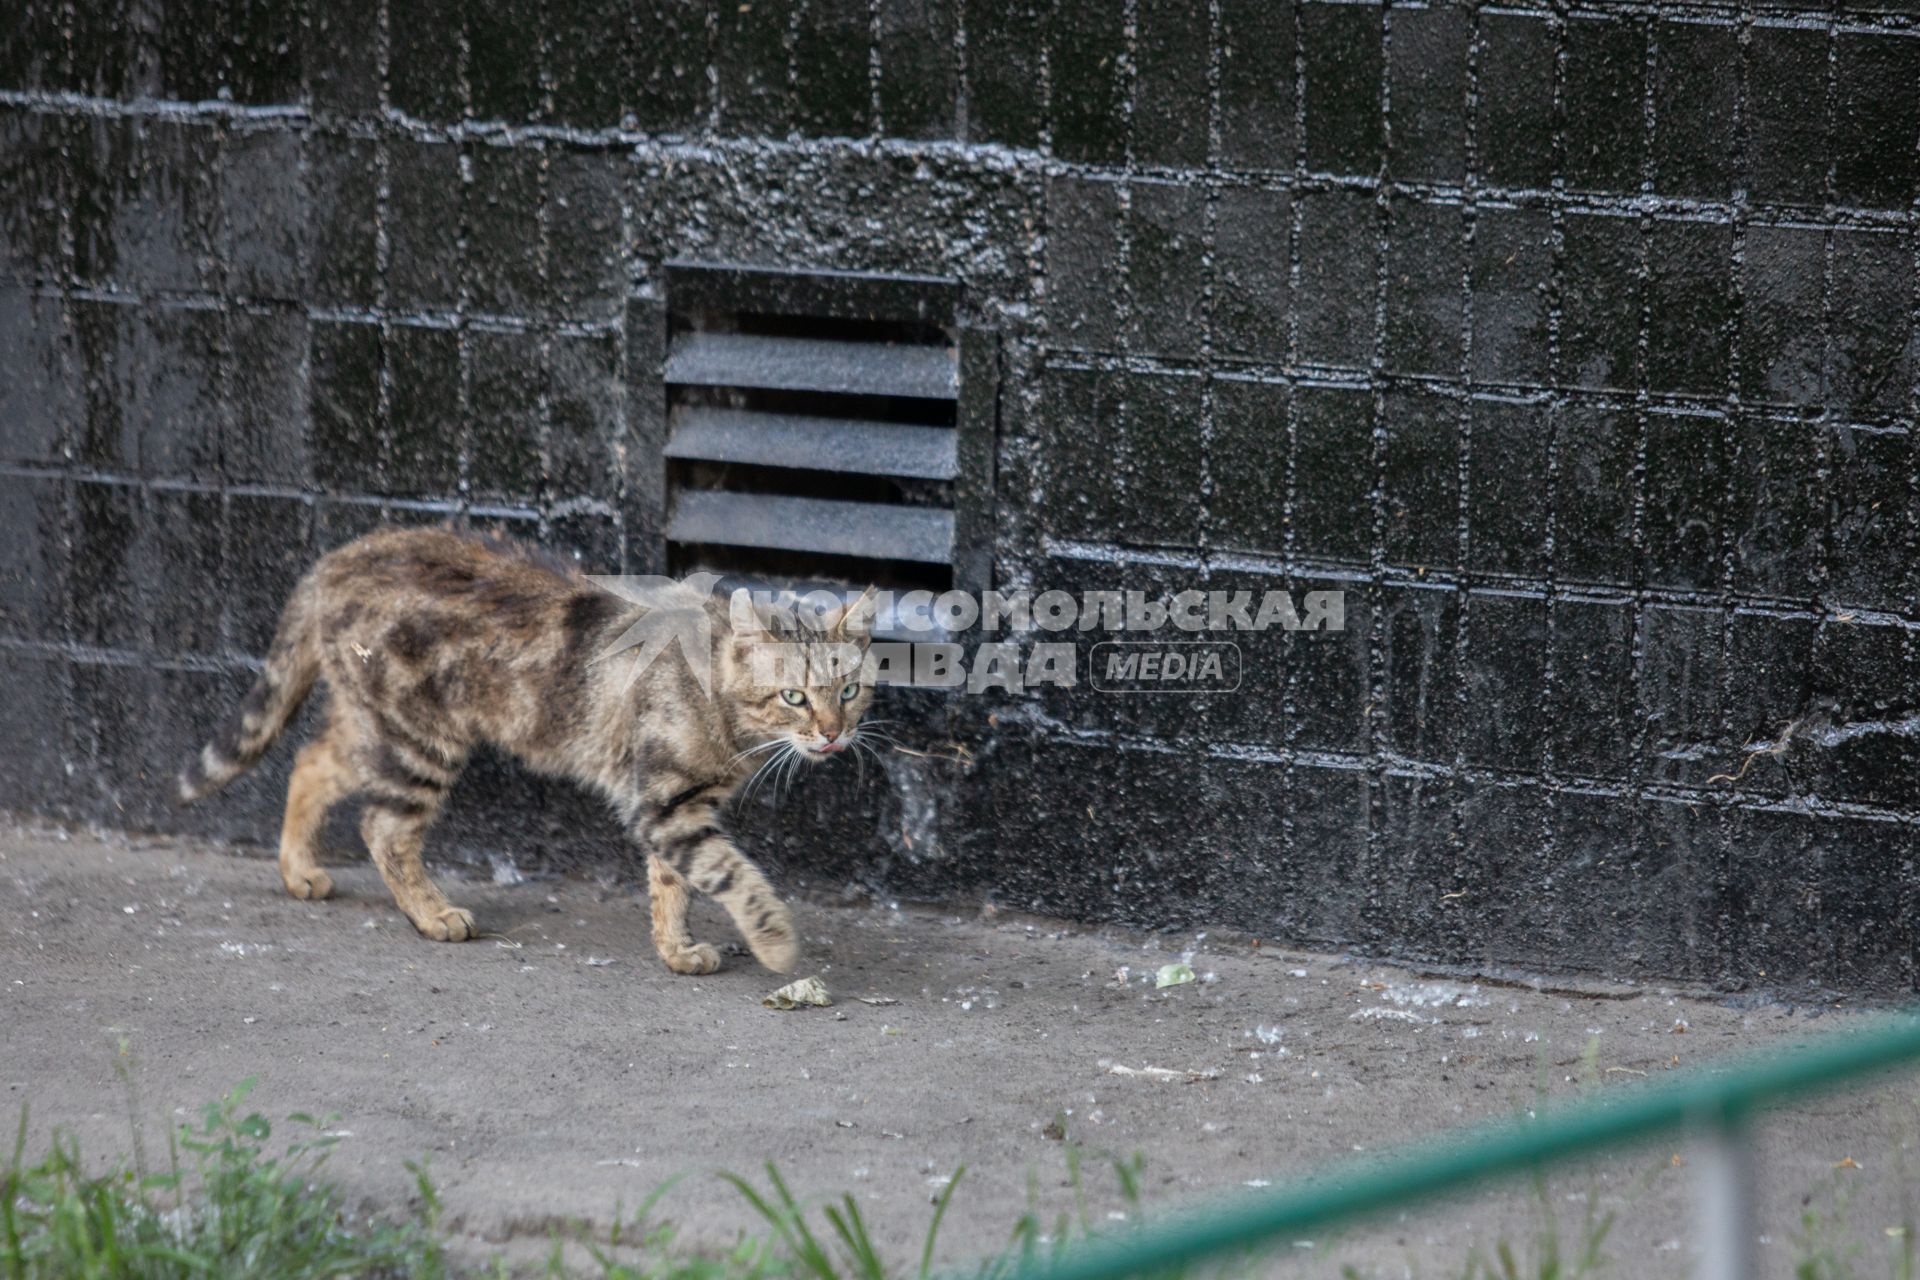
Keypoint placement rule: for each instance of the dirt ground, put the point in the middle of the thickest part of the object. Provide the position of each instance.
(553, 1069)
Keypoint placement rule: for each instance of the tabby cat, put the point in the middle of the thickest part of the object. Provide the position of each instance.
(432, 642)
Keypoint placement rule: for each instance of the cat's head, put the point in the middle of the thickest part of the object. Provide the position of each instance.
(798, 674)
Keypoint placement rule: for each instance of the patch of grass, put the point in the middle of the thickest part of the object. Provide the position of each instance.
(229, 1208)
(223, 1207)
(831, 1240)
(230, 1205)
(641, 1249)
(1553, 1254)
(848, 1250)
(1827, 1247)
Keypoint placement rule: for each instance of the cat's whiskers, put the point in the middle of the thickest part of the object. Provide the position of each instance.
(768, 776)
(858, 741)
(780, 778)
(787, 758)
(771, 762)
(768, 745)
(784, 766)
(865, 749)
(745, 789)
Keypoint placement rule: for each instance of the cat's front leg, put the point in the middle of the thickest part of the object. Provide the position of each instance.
(689, 847)
(667, 894)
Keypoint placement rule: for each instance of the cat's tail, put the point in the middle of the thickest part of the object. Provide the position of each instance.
(293, 663)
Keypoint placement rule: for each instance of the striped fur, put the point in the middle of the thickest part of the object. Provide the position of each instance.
(429, 643)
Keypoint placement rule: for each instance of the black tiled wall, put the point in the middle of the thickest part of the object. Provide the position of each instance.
(1575, 342)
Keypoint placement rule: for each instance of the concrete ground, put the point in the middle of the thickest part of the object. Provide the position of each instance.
(553, 1069)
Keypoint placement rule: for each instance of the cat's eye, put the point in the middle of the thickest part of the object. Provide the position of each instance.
(850, 691)
(793, 697)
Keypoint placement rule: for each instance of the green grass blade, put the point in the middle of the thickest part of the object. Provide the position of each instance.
(171, 1253)
(793, 1233)
(655, 1196)
(933, 1227)
(817, 1256)
(9, 1192)
(853, 1236)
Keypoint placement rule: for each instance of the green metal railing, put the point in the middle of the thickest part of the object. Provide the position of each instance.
(1714, 1102)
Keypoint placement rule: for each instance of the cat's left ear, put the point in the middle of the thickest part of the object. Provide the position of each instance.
(855, 621)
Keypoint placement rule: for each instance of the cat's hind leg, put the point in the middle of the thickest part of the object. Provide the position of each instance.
(667, 895)
(322, 777)
(407, 780)
(394, 835)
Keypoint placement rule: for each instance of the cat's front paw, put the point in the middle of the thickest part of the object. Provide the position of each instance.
(450, 924)
(696, 959)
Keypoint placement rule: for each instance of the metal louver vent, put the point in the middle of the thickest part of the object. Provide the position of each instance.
(826, 427)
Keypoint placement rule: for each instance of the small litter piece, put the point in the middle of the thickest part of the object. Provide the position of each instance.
(876, 1000)
(800, 994)
(1163, 1073)
(1172, 975)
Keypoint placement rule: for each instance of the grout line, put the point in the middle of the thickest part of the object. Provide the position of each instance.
(1209, 290)
(1909, 884)
(1374, 713)
(1642, 838)
(1290, 698)
(1733, 929)
(642, 147)
(224, 376)
(382, 254)
(1468, 870)
(876, 106)
(1123, 270)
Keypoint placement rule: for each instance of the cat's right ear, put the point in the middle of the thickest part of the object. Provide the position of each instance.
(854, 620)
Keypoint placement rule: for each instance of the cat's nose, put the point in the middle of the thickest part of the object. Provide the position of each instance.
(829, 734)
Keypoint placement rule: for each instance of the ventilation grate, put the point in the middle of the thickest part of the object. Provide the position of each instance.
(825, 429)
